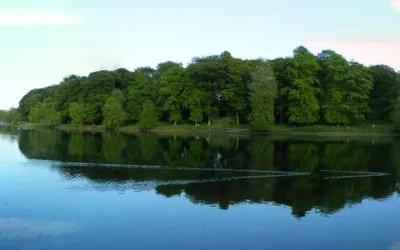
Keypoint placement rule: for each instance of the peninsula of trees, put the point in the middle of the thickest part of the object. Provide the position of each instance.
(303, 89)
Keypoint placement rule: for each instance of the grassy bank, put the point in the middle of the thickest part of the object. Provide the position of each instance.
(359, 129)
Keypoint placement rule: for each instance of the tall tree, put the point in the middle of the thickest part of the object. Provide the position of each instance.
(303, 88)
(77, 113)
(361, 84)
(234, 91)
(14, 116)
(208, 74)
(334, 78)
(386, 89)
(113, 114)
(139, 91)
(93, 108)
(149, 115)
(68, 91)
(395, 115)
(263, 89)
(345, 88)
(45, 113)
(171, 87)
(283, 77)
(4, 116)
(193, 98)
(32, 98)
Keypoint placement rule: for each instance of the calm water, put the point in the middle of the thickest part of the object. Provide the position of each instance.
(113, 191)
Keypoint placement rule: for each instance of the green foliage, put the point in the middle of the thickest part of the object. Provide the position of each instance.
(234, 91)
(193, 97)
(93, 108)
(283, 78)
(77, 113)
(10, 117)
(149, 115)
(138, 93)
(223, 123)
(171, 87)
(303, 88)
(113, 114)
(386, 89)
(361, 84)
(334, 77)
(119, 95)
(309, 90)
(45, 113)
(345, 88)
(395, 115)
(262, 96)
(4, 116)
(31, 99)
(14, 116)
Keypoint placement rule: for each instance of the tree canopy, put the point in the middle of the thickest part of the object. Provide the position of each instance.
(308, 89)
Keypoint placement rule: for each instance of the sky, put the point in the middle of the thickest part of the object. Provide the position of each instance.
(42, 41)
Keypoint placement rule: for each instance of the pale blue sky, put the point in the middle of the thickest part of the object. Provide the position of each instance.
(44, 40)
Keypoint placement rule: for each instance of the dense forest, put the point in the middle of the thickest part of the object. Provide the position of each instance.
(303, 89)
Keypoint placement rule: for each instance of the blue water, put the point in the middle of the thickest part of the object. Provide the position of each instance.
(42, 208)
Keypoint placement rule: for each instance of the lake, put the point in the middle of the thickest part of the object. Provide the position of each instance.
(83, 191)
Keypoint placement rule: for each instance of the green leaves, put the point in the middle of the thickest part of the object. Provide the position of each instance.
(386, 89)
(171, 86)
(308, 89)
(263, 89)
(149, 116)
(302, 87)
(345, 88)
(77, 113)
(45, 113)
(193, 98)
(113, 114)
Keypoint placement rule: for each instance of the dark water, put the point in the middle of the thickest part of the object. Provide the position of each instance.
(113, 191)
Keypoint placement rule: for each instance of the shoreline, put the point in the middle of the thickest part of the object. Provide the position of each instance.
(276, 131)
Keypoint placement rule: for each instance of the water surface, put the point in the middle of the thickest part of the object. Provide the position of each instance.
(115, 191)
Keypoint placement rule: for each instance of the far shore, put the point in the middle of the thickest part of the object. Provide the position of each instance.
(276, 130)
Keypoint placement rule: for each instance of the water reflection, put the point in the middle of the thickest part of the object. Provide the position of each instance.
(224, 171)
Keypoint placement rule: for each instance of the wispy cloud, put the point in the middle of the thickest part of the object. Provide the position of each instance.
(35, 17)
(255, 19)
(395, 4)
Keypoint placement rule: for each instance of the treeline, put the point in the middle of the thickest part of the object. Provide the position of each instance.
(10, 117)
(303, 89)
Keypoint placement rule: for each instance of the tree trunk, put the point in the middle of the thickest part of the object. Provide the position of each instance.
(209, 120)
(237, 119)
(174, 123)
